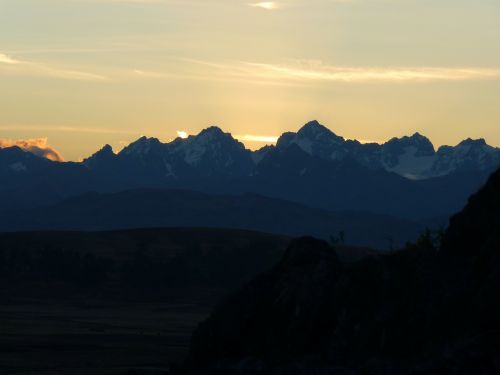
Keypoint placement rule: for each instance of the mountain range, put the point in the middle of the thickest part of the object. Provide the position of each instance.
(413, 156)
(404, 177)
(213, 152)
(148, 208)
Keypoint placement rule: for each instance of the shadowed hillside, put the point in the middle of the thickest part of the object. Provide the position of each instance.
(145, 258)
(105, 302)
(102, 303)
(180, 208)
(425, 310)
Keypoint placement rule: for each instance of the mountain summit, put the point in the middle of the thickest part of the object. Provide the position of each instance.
(314, 130)
(413, 156)
(403, 177)
(213, 151)
(104, 155)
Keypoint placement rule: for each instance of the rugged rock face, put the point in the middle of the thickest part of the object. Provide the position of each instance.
(404, 177)
(413, 157)
(282, 314)
(477, 228)
(417, 311)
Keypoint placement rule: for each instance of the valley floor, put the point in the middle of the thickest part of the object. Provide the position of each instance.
(98, 335)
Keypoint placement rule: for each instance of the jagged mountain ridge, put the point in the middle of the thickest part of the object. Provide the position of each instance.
(314, 167)
(410, 156)
(212, 151)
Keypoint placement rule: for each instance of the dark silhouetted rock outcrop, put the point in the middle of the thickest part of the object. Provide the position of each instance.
(417, 311)
(283, 313)
(477, 228)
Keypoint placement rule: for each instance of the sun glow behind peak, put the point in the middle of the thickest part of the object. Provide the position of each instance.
(182, 134)
(260, 67)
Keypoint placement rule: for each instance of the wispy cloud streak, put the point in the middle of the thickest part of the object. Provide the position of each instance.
(297, 72)
(267, 5)
(256, 138)
(66, 129)
(317, 71)
(12, 66)
(4, 59)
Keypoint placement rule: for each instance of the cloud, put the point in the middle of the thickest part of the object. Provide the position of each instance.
(256, 138)
(4, 59)
(146, 2)
(66, 129)
(214, 72)
(38, 146)
(123, 1)
(267, 5)
(310, 71)
(9, 65)
(317, 71)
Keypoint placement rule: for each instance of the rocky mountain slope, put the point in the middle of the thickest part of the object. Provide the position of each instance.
(424, 310)
(404, 177)
(413, 156)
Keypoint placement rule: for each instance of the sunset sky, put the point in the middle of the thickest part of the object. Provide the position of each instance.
(83, 73)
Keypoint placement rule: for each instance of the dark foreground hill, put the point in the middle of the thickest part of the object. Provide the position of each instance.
(148, 259)
(105, 302)
(425, 310)
(180, 208)
(102, 303)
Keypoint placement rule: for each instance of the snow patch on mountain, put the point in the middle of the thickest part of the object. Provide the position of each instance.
(467, 155)
(141, 147)
(316, 140)
(211, 143)
(214, 152)
(411, 165)
(413, 157)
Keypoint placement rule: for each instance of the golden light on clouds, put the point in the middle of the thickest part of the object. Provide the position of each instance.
(257, 68)
(68, 129)
(267, 5)
(318, 71)
(257, 138)
(4, 59)
(37, 69)
(304, 71)
(38, 146)
(242, 138)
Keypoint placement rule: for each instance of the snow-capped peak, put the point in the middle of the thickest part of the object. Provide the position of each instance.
(473, 142)
(210, 134)
(422, 144)
(211, 143)
(140, 147)
(470, 154)
(315, 139)
(214, 151)
(314, 130)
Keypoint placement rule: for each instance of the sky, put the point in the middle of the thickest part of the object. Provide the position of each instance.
(77, 74)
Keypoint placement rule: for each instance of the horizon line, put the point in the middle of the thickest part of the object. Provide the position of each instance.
(245, 139)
